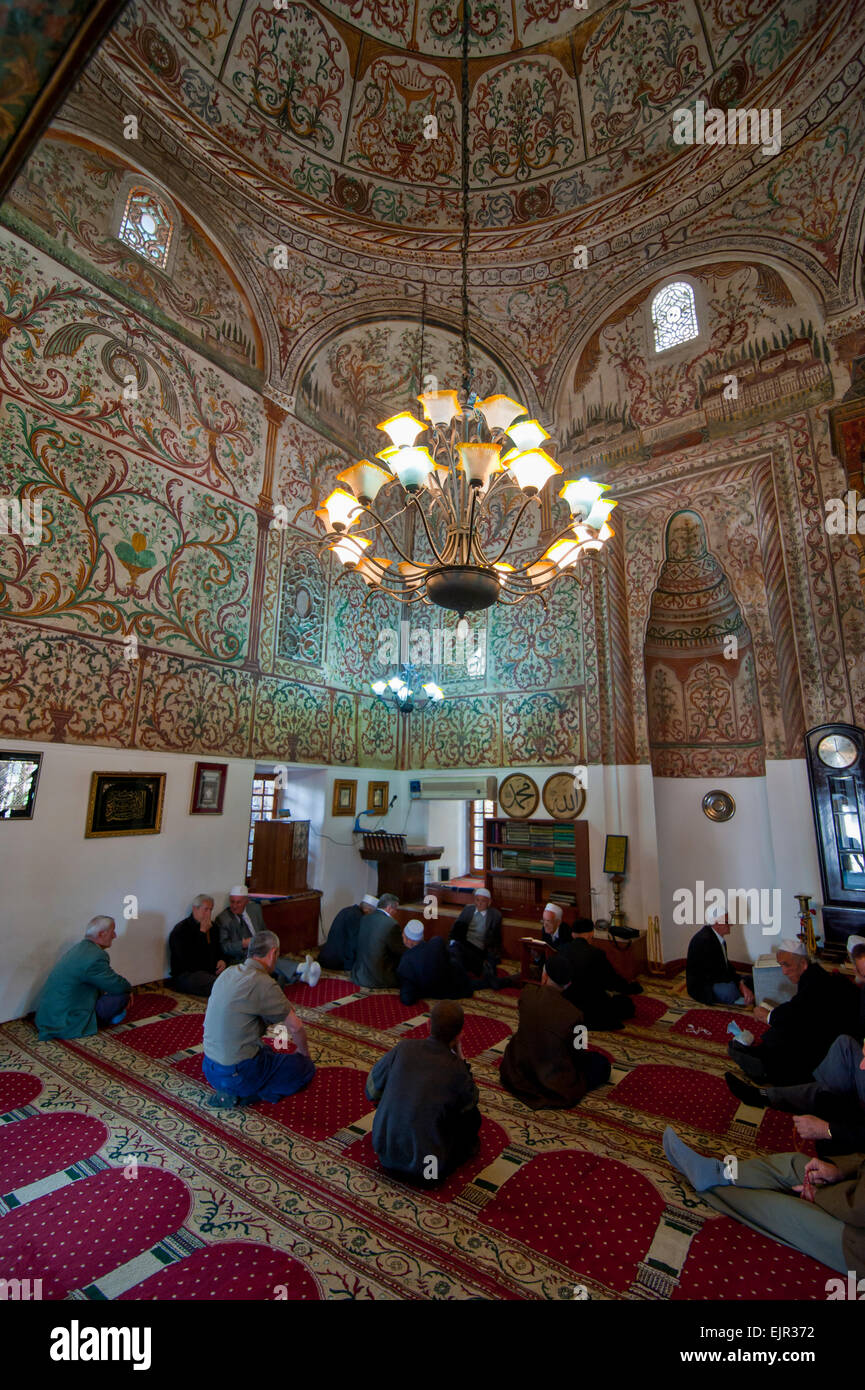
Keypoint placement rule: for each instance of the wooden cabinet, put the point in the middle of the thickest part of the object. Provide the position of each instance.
(295, 921)
(279, 852)
(528, 863)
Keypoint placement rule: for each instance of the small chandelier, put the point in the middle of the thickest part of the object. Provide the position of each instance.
(474, 451)
(402, 691)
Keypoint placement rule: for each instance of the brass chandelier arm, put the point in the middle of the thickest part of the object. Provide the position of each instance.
(433, 546)
(519, 517)
(380, 521)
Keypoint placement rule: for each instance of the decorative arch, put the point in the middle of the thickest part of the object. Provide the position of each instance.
(702, 699)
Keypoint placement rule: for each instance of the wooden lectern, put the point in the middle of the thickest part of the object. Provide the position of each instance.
(400, 866)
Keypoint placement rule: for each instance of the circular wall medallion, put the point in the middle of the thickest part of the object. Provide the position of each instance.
(719, 806)
(518, 796)
(562, 797)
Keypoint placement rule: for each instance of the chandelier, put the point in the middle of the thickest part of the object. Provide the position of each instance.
(402, 691)
(474, 453)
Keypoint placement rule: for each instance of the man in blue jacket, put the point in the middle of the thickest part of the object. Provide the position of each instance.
(82, 990)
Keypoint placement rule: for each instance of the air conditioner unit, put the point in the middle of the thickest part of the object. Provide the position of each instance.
(454, 789)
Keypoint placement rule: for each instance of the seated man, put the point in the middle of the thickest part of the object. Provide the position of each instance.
(340, 948)
(476, 938)
(379, 947)
(427, 1118)
(194, 952)
(596, 989)
(830, 1109)
(237, 924)
(802, 1030)
(824, 1220)
(554, 931)
(243, 1001)
(82, 990)
(428, 970)
(709, 976)
(856, 952)
(541, 1065)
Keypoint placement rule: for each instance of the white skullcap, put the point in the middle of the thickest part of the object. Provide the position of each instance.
(483, 893)
(712, 913)
(369, 900)
(553, 907)
(238, 892)
(853, 942)
(792, 946)
(414, 930)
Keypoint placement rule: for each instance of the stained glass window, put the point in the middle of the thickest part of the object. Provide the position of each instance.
(147, 226)
(674, 316)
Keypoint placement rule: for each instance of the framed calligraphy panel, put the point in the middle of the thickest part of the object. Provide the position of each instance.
(125, 803)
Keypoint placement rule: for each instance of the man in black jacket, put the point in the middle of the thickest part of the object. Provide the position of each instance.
(478, 934)
(554, 931)
(340, 948)
(428, 970)
(709, 976)
(427, 1118)
(802, 1030)
(194, 951)
(379, 946)
(596, 988)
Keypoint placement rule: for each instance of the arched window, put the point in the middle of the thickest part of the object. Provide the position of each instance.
(147, 226)
(674, 316)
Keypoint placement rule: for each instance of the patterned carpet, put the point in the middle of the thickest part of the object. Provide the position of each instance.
(118, 1181)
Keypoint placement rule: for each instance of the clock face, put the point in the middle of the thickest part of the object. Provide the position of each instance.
(837, 750)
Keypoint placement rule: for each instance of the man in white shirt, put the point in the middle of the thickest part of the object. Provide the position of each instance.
(477, 935)
(709, 976)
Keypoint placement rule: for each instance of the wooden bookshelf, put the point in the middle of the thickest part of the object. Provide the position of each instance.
(527, 863)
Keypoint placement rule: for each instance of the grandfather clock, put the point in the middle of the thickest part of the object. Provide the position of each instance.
(836, 773)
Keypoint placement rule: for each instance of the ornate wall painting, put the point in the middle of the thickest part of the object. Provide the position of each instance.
(518, 795)
(127, 803)
(703, 703)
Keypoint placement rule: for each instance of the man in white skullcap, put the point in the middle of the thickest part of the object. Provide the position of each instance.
(428, 970)
(554, 930)
(340, 948)
(709, 976)
(831, 1108)
(237, 924)
(477, 939)
(801, 1031)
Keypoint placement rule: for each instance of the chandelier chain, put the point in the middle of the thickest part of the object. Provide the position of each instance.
(464, 238)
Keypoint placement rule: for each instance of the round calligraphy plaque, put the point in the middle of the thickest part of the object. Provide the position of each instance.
(563, 797)
(518, 796)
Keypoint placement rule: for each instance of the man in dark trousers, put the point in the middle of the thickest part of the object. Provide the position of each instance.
(477, 934)
(427, 1118)
(830, 1109)
(709, 976)
(428, 970)
(340, 948)
(596, 989)
(194, 950)
(82, 990)
(802, 1030)
(379, 947)
(544, 1064)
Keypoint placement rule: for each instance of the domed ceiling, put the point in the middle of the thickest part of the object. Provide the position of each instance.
(351, 109)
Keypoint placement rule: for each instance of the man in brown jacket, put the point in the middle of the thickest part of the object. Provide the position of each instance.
(826, 1219)
(546, 1064)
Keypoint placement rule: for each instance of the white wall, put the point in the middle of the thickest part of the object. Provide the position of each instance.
(768, 844)
(446, 826)
(55, 880)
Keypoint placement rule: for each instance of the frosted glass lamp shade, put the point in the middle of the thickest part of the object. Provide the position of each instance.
(527, 434)
(581, 494)
(479, 462)
(440, 407)
(533, 469)
(350, 549)
(339, 510)
(412, 466)
(402, 429)
(365, 479)
(500, 411)
(599, 515)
